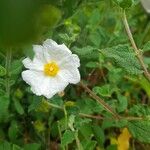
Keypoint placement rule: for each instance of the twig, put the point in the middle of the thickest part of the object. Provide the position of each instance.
(136, 50)
(60, 135)
(98, 117)
(79, 146)
(100, 101)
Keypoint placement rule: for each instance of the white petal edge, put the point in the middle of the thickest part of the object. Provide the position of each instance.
(52, 45)
(29, 64)
(71, 76)
(42, 85)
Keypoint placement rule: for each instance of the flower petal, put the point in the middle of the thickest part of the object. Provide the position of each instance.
(56, 85)
(35, 80)
(72, 76)
(39, 53)
(56, 52)
(69, 69)
(29, 64)
(70, 61)
(43, 85)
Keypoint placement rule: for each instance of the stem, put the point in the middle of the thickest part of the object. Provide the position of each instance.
(136, 50)
(7, 66)
(100, 101)
(78, 141)
(66, 122)
(55, 106)
(60, 135)
(98, 117)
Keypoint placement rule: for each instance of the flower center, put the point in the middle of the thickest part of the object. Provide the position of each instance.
(51, 69)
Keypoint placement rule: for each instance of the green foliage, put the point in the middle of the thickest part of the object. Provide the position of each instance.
(146, 46)
(2, 71)
(124, 58)
(124, 3)
(68, 137)
(140, 130)
(4, 112)
(18, 107)
(92, 29)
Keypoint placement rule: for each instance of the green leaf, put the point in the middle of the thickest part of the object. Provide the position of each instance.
(81, 122)
(33, 146)
(124, 58)
(86, 131)
(105, 90)
(89, 144)
(95, 38)
(16, 67)
(140, 110)
(4, 104)
(140, 130)
(2, 71)
(92, 64)
(89, 106)
(67, 138)
(123, 103)
(13, 131)
(99, 134)
(87, 52)
(35, 104)
(124, 3)
(83, 51)
(16, 147)
(18, 107)
(2, 81)
(94, 18)
(5, 146)
(146, 47)
(114, 123)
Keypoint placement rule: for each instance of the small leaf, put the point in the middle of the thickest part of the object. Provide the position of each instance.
(140, 130)
(89, 144)
(13, 130)
(16, 147)
(99, 135)
(124, 58)
(4, 104)
(2, 71)
(16, 67)
(123, 103)
(146, 47)
(68, 137)
(105, 90)
(124, 3)
(5, 146)
(18, 107)
(92, 64)
(35, 104)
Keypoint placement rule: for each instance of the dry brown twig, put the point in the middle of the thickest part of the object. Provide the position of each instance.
(135, 48)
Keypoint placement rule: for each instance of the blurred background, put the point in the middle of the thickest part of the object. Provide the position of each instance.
(23, 21)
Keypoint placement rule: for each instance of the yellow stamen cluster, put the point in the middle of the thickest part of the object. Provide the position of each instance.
(51, 69)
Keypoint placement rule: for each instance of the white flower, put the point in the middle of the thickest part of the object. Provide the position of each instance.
(52, 69)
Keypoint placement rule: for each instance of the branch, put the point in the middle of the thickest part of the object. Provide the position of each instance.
(100, 101)
(136, 50)
(98, 117)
